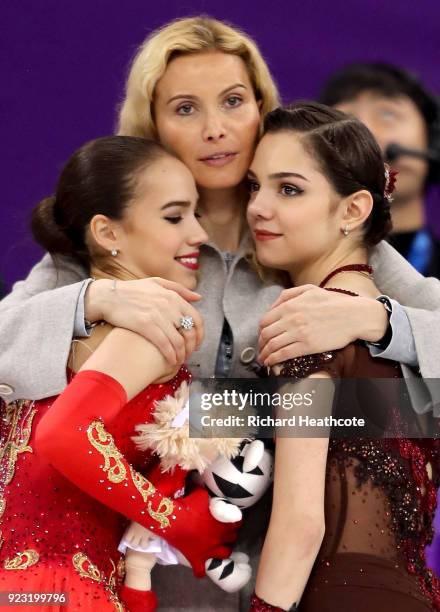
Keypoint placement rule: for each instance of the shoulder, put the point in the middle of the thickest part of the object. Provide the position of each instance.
(339, 363)
(307, 365)
(82, 348)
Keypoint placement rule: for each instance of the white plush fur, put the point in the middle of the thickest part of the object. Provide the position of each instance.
(173, 444)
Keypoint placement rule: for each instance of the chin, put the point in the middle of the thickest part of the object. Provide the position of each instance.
(267, 261)
(190, 282)
(221, 180)
(274, 263)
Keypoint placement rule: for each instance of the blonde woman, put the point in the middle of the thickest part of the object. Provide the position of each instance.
(201, 88)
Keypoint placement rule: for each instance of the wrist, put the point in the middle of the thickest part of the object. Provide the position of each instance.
(374, 320)
(260, 605)
(96, 298)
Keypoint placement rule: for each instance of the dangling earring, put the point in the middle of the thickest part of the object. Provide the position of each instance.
(345, 231)
(114, 252)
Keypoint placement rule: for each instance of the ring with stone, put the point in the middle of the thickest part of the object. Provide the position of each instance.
(186, 323)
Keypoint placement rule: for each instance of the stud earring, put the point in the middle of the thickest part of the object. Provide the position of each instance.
(346, 231)
(114, 252)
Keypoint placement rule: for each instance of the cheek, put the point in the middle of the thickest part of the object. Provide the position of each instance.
(175, 136)
(249, 130)
(308, 227)
(419, 138)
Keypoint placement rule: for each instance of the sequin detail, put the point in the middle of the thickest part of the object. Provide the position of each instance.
(2, 509)
(390, 476)
(300, 367)
(164, 510)
(20, 428)
(100, 439)
(259, 605)
(120, 568)
(399, 468)
(22, 560)
(144, 486)
(17, 421)
(147, 489)
(87, 569)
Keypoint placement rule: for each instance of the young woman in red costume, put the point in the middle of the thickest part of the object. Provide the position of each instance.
(351, 518)
(125, 208)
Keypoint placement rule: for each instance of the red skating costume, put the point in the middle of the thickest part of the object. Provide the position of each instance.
(70, 473)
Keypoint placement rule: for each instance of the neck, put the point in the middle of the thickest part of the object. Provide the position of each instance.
(111, 270)
(316, 271)
(223, 216)
(408, 216)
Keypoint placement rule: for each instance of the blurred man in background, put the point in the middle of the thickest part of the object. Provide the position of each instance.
(405, 119)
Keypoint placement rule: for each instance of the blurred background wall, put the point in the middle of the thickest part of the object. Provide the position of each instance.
(63, 64)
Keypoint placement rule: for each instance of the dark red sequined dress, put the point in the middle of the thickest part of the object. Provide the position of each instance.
(380, 501)
(54, 537)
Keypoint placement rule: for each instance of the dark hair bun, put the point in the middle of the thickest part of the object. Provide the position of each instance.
(46, 231)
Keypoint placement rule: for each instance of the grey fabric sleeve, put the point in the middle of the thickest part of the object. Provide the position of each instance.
(36, 328)
(402, 346)
(420, 298)
(79, 329)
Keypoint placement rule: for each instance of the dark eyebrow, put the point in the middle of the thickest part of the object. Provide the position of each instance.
(191, 97)
(280, 175)
(184, 203)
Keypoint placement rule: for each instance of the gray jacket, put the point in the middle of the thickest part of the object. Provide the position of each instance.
(33, 357)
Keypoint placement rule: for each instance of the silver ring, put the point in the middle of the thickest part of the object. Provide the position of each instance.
(186, 323)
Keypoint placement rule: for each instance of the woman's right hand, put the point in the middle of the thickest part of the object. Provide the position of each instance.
(151, 307)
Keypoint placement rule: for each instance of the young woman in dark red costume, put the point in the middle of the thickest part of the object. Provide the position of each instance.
(350, 519)
(125, 208)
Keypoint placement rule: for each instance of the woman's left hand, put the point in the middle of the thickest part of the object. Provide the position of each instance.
(306, 320)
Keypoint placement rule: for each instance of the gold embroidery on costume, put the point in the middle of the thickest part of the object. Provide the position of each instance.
(104, 443)
(118, 605)
(112, 585)
(2, 509)
(85, 568)
(22, 560)
(144, 486)
(120, 568)
(18, 421)
(165, 508)
(112, 578)
(18, 438)
(146, 489)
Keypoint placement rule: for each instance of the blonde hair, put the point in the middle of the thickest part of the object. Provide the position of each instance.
(186, 36)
